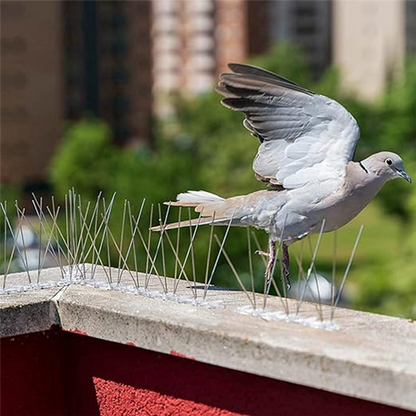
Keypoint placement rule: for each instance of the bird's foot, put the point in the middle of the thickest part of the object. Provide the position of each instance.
(262, 253)
(286, 277)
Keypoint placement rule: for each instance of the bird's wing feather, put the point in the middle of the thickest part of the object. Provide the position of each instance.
(304, 136)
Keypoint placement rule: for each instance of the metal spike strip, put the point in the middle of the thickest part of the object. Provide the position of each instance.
(87, 235)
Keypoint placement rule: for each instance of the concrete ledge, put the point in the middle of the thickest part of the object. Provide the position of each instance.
(371, 357)
(25, 313)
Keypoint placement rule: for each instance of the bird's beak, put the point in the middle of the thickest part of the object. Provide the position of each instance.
(404, 175)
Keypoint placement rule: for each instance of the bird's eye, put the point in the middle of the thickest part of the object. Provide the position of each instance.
(389, 162)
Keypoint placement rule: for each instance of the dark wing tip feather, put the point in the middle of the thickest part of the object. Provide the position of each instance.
(245, 69)
(245, 105)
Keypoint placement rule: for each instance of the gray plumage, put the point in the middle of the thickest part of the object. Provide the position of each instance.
(307, 142)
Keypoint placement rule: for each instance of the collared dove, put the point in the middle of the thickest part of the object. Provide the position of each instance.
(307, 143)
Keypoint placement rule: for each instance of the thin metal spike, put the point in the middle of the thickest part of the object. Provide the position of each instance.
(42, 218)
(94, 220)
(344, 279)
(310, 267)
(107, 214)
(107, 242)
(60, 234)
(12, 252)
(24, 250)
(250, 267)
(149, 240)
(36, 231)
(163, 250)
(178, 233)
(132, 243)
(302, 275)
(81, 235)
(48, 243)
(318, 291)
(211, 234)
(94, 238)
(95, 216)
(40, 241)
(218, 256)
(66, 239)
(13, 235)
(93, 246)
(75, 225)
(81, 240)
(192, 251)
(55, 224)
(334, 270)
(180, 264)
(71, 234)
(84, 240)
(119, 252)
(121, 240)
(188, 252)
(149, 258)
(236, 275)
(300, 269)
(159, 243)
(54, 209)
(5, 235)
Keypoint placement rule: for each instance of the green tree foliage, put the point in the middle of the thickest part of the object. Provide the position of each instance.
(398, 134)
(287, 60)
(85, 160)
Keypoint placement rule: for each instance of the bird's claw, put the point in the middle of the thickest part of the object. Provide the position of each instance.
(286, 279)
(262, 253)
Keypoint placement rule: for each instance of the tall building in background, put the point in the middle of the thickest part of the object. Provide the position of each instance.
(108, 65)
(32, 105)
(371, 40)
(410, 27)
(63, 60)
(307, 23)
(192, 42)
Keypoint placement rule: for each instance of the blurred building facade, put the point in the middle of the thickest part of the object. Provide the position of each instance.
(307, 23)
(122, 60)
(62, 61)
(191, 43)
(107, 70)
(32, 106)
(371, 41)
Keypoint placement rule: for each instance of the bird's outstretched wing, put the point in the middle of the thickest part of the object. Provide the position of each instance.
(304, 136)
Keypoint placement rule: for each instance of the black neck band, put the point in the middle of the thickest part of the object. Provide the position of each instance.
(365, 170)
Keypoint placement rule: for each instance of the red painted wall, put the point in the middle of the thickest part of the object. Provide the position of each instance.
(58, 373)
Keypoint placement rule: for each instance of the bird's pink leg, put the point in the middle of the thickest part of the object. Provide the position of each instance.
(286, 265)
(272, 260)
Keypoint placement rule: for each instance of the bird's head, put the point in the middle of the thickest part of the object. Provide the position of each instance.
(387, 165)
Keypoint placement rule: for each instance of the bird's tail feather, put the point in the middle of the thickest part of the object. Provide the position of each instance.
(189, 223)
(196, 199)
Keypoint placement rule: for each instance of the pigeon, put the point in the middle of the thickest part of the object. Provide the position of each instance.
(305, 157)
